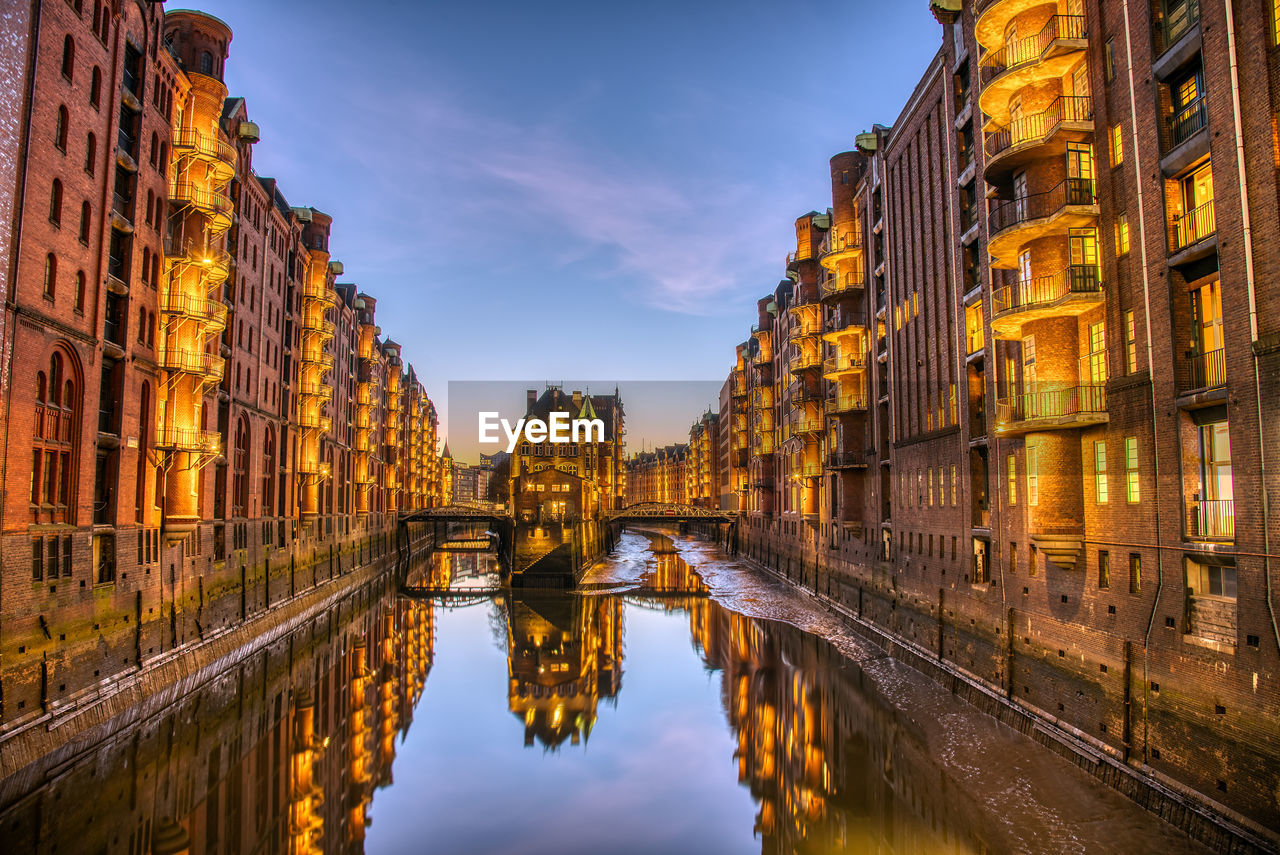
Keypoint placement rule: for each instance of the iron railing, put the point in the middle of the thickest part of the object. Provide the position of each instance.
(1034, 206)
(1046, 401)
(1211, 519)
(1029, 49)
(1192, 227)
(1186, 121)
(1039, 126)
(1203, 370)
(1046, 290)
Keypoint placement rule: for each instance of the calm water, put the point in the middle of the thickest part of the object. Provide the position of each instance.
(680, 705)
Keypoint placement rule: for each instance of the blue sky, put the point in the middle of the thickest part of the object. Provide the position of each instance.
(566, 188)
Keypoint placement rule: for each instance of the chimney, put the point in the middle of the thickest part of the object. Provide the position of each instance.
(530, 398)
(577, 399)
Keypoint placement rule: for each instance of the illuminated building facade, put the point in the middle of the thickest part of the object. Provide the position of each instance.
(1017, 374)
(183, 366)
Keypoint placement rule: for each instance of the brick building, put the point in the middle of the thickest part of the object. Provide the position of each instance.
(1030, 345)
(203, 421)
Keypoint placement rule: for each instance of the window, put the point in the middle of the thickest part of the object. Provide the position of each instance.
(79, 295)
(95, 88)
(60, 130)
(85, 216)
(1109, 61)
(1211, 580)
(50, 275)
(91, 154)
(1013, 556)
(1135, 573)
(1033, 475)
(931, 486)
(206, 62)
(1131, 342)
(1275, 22)
(1104, 568)
(1131, 469)
(53, 457)
(68, 57)
(1122, 234)
(1215, 516)
(954, 481)
(1100, 472)
(1013, 479)
(1208, 369)
(1080, 161)
(1117, 146)
(1097, 353)
(240, 471)
(55, 203)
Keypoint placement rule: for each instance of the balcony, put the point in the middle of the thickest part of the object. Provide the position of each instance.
(1211, 520)
(762, 398)
(843, 283)
(1048, 406)
(847, 402)
(1191, 228)
(1014, 222)
(763, 442)
(312, 389)
(763, 420)
(1186, 123)
(322, 327)
(211, 313)
(1067, 293)
(209, 149)
(805, 359)
(841, 247)
(1067, 118)
(802, 423)
(1176, 20)
(322, 359)
(1042, 56)
(216, 206)
(846, 460)
(809, 470)
(1199, 371)
(191, 440)
(739, 386)
(834, 367)
(201, 364)
(803, 394)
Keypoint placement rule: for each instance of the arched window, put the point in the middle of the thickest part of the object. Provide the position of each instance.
(50, 275)
(146, 265)
(85, 217)
(206, 62)
(144, 445)
(97, 15)
(55, 203)
(95, 88)
(269, 472)
(91, 154)
(104, 27)
(151, 200)
(53, 454)
(60, 132)
(155, 149)
(142, 324)
(79, 298)
(151, 329)
(240, 470)
(68, 56)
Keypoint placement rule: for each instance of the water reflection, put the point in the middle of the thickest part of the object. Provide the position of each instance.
(287, 749)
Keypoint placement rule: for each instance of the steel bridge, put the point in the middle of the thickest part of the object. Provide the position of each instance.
(669, 512)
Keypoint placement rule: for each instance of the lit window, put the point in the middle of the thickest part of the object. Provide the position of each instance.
(1013, 480)
(1033, 475)
(1122, 234)
(1117, 146)
(1104, 569)
(1131, 341)
(1131, 468)
(1135, 573)
(1100, 472)
(954, 481)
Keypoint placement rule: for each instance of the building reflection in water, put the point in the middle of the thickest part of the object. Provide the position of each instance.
(283, 751)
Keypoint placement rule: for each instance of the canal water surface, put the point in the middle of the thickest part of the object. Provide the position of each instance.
(682, 702)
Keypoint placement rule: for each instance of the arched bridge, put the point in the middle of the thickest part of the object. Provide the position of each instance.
(458, 512)
(668, 512)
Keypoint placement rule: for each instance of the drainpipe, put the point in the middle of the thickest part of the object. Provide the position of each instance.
(1253, 309)
(1151, 370)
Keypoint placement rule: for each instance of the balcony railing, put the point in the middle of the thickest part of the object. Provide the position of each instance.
(1028, 50)
(1044, 401)
(846, 459)
(192, 362)
(174, 438)
(1035, 206)
(847, 402)
(1183, 124)
(1192, 227)
(805, 358)
(205, 146)
(1046, 290)
(844, 362)
(1039, 126)
(801, 422)
(211, 312)
(1211, 519)
(1203, 371)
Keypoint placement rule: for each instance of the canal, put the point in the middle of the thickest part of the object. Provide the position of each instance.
(682, 702)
